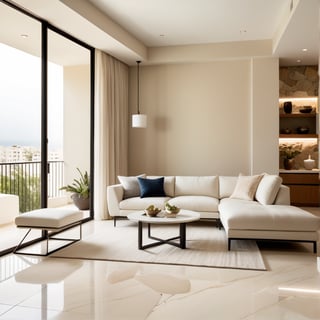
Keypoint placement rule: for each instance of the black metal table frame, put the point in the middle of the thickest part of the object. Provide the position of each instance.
(182, 237)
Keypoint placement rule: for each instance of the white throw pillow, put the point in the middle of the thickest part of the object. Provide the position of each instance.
(268, 189)
(130, 186)
(246, 187)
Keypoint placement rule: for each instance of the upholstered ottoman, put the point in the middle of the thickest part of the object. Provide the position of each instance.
(51, 221)
(9, 208)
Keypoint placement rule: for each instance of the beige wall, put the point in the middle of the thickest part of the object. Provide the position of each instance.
(265, 116)
(76, 148)
(206, 118)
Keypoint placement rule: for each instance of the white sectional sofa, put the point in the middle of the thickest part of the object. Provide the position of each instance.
(252, 207)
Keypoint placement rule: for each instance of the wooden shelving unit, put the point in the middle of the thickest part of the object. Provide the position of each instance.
(298, 135)
(304, 186)
(298, 115)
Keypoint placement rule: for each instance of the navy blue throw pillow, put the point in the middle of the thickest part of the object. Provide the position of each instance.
(151, 187)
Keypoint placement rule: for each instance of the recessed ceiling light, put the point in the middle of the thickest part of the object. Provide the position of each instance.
(162, 35)
(298, 60)
(304, 50)
(24, 36)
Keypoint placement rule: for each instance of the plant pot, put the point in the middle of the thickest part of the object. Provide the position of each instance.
(80, 202)
(288, 164)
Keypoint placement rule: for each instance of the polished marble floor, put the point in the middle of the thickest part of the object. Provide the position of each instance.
(55, 288)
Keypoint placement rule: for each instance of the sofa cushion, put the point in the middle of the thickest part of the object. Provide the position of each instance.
(197, 186)
(151, 187)
(251, 215)
(138, 203)
(130, 186)
(168, 184)
(196, 203)
(226, 186)
(246, 187)
(268, 189)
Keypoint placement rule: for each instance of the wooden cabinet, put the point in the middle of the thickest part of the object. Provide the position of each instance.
(304, 188)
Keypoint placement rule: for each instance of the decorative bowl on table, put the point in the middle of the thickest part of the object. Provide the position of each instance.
(152, 211)
(171, 211)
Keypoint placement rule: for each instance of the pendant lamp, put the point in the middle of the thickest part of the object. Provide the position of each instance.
(139, 120)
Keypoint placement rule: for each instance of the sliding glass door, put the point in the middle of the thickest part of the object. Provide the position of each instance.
(20, 107)
(46, 104)
(68, 115)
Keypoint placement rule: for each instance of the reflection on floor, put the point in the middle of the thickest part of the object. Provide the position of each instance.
(49, 288)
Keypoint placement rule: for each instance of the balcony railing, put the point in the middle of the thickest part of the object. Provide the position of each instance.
(23, 179)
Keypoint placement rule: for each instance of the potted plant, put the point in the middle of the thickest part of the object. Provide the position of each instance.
(80, 189)
(289, 152)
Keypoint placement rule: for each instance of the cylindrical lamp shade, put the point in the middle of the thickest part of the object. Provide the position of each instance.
(139, 121)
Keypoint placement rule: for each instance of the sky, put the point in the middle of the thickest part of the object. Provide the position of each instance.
(20, 100)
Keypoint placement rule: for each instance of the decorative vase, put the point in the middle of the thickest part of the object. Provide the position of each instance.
(309, 163)
(80, 202)
(288, 164)
(287, 107)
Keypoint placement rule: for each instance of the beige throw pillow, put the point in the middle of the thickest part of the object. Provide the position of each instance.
(130, 186)
(246, 187)
(268, 189)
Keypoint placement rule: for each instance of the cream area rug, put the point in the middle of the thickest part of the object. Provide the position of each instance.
(206, 247)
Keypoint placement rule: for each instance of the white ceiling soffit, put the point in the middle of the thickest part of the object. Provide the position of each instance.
(186, 22)
(129, 29)
(301, 32)
(24, 33)
(67, 18)
(290, 24)
(26, 38)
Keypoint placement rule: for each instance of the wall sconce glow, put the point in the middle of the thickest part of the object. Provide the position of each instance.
(304, 98)
(139, 121)
(291, 140)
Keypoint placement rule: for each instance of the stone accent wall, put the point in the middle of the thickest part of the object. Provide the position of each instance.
(298, 81)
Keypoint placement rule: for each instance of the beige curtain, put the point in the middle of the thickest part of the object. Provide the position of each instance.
(111, 127)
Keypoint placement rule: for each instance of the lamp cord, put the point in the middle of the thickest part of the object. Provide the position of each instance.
(138, 87)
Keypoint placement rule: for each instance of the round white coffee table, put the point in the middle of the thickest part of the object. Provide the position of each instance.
(182, 218)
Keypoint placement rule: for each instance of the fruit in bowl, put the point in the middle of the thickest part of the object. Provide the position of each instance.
(171, 211)
(152, 211)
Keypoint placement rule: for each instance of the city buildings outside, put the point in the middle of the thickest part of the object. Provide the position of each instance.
(18, 153)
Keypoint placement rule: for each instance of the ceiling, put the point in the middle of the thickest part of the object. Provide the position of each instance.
(129, 29)
(181, 22)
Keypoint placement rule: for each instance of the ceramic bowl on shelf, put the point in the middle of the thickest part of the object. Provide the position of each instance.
(306, 109)
(303, 130)
(286, 131)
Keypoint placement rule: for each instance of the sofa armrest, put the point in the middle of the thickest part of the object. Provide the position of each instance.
(283, 196)
(114, 197)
